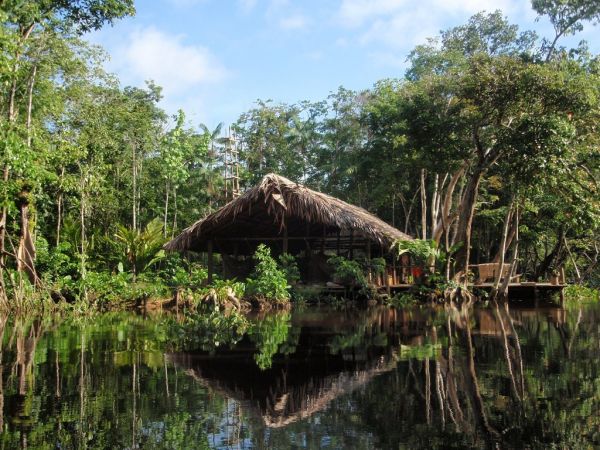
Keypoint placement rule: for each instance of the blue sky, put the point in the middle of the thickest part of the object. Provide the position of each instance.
(214, 58)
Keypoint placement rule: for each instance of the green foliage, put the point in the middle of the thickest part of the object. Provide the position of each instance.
(268, 281)
(59, 261)
(223, 288)
(348, 272)
(402, 300)
(288, 264)
(576, 294)
(377, 265)
(420, 352)
(424, 252)
(301, 294)
(106, 291)
(142, 249)
(518, 116)
(192, 278)
(208, 331)
(269, 334)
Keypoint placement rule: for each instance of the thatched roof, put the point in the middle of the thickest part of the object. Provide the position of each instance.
(278, 204)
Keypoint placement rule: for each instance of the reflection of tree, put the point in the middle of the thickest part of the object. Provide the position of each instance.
(512, 350)
(268, 333)
(3, 320)
(489, 383)
(442, 380)
(99, 383)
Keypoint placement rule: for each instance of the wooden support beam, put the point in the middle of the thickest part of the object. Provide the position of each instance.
(285, 240)
(388, 288)
(209, 251)
(357, 242)
(370, 275)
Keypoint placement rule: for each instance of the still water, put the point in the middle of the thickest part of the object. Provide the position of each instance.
(314, 378)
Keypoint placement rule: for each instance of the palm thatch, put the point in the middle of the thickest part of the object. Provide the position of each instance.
(278, 207)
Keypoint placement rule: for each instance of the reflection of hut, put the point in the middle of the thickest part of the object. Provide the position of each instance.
(292, 390)
(289, 218)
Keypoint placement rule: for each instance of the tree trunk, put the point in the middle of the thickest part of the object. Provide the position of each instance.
(3, 221)
(174, 212)
(465, 221)
(134, 186)
(435, 202)
(446, 215)
(30, 104)
(60, 207)
(503, 246)
(423, 206)
(82, 207)
(509, 239)
(513, 265)
(552, 259)
(166, 209)
(26, 250)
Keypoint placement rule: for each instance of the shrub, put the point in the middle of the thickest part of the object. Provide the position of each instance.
(268, 281)
(306, 293)
(288, 264)
(581, 294)
(193, 278)
(52, 264)
(424, 252)
(348, 272)
(222, 289)
(141, 249)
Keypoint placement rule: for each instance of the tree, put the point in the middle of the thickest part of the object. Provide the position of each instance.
(23, 22)
(567, 17)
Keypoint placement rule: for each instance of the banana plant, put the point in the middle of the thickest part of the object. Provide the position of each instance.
(143, 248)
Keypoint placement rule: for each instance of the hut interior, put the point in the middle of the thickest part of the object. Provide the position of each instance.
(290, 218)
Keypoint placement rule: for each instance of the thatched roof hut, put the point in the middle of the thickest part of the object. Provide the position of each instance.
(278, 208)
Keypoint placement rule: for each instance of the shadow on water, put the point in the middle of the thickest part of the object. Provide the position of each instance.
(447, 377)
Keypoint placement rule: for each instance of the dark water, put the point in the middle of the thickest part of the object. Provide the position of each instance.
(314, 378)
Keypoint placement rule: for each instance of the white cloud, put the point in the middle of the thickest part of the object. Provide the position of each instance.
(388, 59)
(247, 5)
(341, 42)
(293, 22)
(149, 53)
(185, 3)
(402, 23)
(315, 55)
(357, 12)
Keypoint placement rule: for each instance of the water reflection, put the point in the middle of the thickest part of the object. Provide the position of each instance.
(453, 377)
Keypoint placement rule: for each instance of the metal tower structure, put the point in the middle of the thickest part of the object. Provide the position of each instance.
(231, 165)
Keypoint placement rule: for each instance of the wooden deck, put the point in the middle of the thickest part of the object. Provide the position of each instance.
(515, 290)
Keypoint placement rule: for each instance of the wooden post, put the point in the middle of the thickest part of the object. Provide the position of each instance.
(338, 243)
(308, 248)
(369, 260)
(387, 281)
(323, 241)
(285, 240)
(351, 254)
(209, 251)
